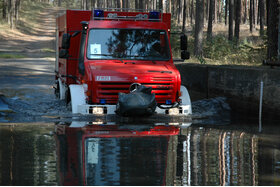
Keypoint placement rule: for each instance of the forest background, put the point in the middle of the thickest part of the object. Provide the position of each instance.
(239, 32)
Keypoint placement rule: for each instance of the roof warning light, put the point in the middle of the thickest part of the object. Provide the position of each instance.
(154, 15)
(98, 13)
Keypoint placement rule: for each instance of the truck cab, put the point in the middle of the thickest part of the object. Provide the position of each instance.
(102, 53)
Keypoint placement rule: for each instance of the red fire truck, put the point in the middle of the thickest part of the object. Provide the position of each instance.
(103, 53)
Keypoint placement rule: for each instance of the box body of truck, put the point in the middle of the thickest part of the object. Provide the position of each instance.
(103, 53)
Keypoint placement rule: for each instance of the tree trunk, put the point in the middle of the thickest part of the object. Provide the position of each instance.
(136, 4)
(179, 18)
(215, 11)
(261, 4)
(253, 12)
(127, 4)
(159, 5)
(184, 15)
(11, 14)
(118, 4)
(251, 15)
(84, 7)
(219, 11)
(206, 11)
(230, 20)
(199, 19)
(4, 10)
(241, 11)
(237, 19)
(123, 4)
(226, 11)
(9, 11)
(272, 28)
(59, 3)
(94, 3)
(17, 5)
(256, 12)
(164, 6)
(141, 6)
(192, 12)
(245, 12)
(210, 20)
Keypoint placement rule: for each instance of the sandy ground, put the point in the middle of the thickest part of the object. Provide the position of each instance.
(26, 83)
(31, 43)
(36, 71)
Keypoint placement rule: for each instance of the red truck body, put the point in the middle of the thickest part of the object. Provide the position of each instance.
(106, 76)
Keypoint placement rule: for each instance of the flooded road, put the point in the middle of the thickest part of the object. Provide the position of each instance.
(43, 143)
(99, 153)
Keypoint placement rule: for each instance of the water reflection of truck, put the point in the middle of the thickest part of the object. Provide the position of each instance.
(114, 155)
(101, 53)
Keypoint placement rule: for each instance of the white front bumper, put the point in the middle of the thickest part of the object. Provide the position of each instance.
(110, 109)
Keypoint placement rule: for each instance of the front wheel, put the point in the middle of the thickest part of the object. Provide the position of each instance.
(67, 97)
(56, 90)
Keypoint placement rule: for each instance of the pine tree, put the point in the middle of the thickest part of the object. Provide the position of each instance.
(210, 19)
(230, 20)
(199, 22)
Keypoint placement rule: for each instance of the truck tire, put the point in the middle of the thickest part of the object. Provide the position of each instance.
(67, 97)
(56, 90)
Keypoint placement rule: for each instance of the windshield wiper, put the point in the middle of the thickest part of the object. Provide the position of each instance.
(107, 55)
(101, 55)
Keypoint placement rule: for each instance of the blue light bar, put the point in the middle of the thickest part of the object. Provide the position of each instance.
(154, 15)
(102, 101)
(98, 13)
(168, 102)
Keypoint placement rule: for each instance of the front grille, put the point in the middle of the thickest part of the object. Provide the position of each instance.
(163, 79)
(161, 86)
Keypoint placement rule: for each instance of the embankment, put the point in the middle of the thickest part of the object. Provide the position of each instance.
(239, 84)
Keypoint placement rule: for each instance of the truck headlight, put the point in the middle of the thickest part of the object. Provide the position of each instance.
(173, 111)
(97, 110)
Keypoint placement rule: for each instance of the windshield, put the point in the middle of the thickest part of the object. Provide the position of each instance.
(139, 44)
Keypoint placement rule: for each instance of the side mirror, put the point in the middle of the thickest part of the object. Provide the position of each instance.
(66, 41)
(63, 53)
(184, 42)
(184, 47)
(185, 55)
(84, 25)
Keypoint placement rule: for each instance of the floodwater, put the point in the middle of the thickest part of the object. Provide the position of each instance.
(96, 153)
(41, 143)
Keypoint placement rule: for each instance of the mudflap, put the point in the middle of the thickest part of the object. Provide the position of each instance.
(140, 102)
(77, 97)
(186, 101)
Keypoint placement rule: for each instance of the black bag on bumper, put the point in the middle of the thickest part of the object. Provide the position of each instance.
(140, 102)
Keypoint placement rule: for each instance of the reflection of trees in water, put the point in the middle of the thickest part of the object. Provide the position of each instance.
(27, 155)
(133, 43)
(218, 157)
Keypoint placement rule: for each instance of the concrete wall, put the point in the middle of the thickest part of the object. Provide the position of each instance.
(240, 84)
